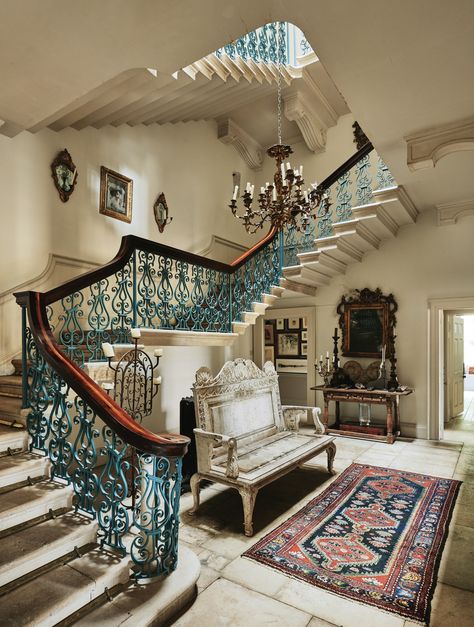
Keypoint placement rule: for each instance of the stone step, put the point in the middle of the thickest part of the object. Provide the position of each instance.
(259, 308)
(10, 386)
(29, 502)
(153, 604)
(269, 299)
(240, 327)
(318, 260)
(250, 316)
(55, 595)
(10, 408)
(297, 288)
(18, 468)
(13, 439)
(33, 547)
(277, 290)
(306, 276)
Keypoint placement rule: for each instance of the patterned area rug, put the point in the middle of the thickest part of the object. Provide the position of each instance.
(375, 535)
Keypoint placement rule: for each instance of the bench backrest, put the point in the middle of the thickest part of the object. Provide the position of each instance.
(240, 401)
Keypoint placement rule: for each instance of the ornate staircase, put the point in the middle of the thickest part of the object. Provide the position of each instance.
(89, 498)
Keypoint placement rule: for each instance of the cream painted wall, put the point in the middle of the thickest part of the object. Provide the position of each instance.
(424, 261)
(185, 161)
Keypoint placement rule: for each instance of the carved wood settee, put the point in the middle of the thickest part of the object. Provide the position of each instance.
(245, 438)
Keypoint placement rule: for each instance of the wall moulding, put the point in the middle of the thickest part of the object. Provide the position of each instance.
(426, 148)
(451, 212)
(228, 132)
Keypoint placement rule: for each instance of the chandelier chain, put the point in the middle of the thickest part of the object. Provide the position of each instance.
(278, 85)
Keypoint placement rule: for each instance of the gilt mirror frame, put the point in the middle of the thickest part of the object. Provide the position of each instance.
(367, 320)
(64, 173)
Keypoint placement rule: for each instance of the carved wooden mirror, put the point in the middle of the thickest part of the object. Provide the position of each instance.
(367, 320)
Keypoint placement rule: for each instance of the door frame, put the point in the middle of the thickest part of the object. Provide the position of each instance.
(302, 312)
(437, 307)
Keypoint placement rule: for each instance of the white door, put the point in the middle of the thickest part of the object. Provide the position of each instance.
(454, 374)
(458, 365)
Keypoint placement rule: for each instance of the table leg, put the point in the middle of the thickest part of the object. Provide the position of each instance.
(396, 412)
(326, 413)
(338, 416)
(390, 438)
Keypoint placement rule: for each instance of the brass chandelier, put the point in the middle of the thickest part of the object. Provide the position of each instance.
(285, 202)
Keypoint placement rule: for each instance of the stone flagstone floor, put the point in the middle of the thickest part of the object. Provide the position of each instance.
(233, 591)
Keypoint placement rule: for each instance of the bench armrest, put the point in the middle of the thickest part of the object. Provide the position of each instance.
(292, 416)
(205, 444)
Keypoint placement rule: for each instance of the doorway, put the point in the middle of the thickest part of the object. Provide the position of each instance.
(459, 375)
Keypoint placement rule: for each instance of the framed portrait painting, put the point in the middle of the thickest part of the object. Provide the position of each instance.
(280, 324)
(293, 323)
(116, 191)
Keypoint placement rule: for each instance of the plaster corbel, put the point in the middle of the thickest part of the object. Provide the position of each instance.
(425, 149)
(228, 132)
(451, 212)
(310, 125)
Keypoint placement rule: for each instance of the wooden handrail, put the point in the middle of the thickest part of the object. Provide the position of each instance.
(93, 395)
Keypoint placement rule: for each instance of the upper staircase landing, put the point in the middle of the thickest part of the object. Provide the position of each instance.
(368, 227)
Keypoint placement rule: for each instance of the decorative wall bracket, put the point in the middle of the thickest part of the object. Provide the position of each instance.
(425, 149)
(64, 173)
(160, 209)
(228, 132)
(309, 123)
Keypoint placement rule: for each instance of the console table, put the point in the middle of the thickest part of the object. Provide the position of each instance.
(354, 395)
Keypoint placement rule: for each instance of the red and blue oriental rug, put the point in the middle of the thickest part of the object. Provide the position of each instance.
(375, 535)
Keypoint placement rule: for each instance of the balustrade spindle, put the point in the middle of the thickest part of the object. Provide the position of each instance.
(85, 480)
(60, 448)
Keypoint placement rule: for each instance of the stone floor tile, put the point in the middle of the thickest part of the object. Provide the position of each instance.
(457, 563)
(207, 576)
(451, 607)
(255, 576)
(335, 609)
(229, 547)
(213, 560)
(226, 604)
(319, 622)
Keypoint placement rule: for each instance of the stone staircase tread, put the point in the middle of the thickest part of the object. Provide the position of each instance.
(58, 593)
(18, 467)
(10, 406)
(32, 547)
(12, 438)
(19, 506)
(151, 604)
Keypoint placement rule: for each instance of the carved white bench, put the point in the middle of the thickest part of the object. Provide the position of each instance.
(245, 438)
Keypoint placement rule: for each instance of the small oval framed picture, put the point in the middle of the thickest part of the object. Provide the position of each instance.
(116, 192)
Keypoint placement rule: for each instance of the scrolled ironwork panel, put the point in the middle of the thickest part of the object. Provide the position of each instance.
(384, 176)
(324, 217)
(84, 479)
(344, 198)
(154, 550)
(98, 319)
(363, 181)
(60, 448)
(37, 421)
(71, 333)
(112, 514)
(122, 304)
(147, 289)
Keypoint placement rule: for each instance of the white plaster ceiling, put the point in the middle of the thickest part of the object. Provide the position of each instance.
(402, 66)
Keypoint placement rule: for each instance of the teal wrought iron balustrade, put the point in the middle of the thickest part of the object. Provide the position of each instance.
(122, 475)
(351, 186)
(154, 288)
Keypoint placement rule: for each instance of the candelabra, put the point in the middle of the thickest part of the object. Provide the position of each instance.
(324, 369)
(339, 377)
(381, 382)
(134, 383)
(134, 388)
